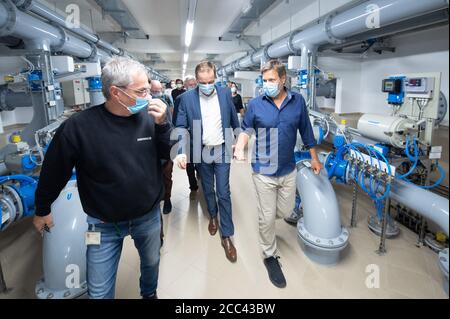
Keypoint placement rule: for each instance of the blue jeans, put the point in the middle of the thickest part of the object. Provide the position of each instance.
(103, 260)
(217, 172)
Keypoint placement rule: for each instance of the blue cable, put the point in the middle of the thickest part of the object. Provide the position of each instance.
(416, 161)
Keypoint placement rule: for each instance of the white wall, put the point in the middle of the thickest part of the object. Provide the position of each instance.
(425, 51)
(348, 73)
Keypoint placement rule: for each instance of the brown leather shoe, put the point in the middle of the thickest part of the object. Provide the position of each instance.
(213, 226)
(230, 250)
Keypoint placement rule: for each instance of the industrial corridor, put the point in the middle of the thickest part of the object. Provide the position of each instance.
(224, 150)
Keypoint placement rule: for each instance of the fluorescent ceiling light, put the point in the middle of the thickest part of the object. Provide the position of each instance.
(189, 32)
(185, 57)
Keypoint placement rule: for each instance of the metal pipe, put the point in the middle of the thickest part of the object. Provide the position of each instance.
(38, 33)
(41, 10)
(320, 230)
(336, 28)
(31, 29)
(426, 203)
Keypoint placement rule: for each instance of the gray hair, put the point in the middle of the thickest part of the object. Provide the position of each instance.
(119, 71)
(190, 78)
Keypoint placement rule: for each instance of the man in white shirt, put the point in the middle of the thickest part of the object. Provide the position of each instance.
(208, 113)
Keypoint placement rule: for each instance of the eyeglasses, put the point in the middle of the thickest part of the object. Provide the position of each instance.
(142, 92)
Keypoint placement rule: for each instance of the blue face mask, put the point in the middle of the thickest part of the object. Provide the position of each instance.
(140, 104)
(271, 89)
(206, 89)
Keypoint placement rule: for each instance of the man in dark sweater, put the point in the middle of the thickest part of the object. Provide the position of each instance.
(116, 150)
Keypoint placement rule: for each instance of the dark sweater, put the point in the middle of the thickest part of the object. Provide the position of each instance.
(117, 161)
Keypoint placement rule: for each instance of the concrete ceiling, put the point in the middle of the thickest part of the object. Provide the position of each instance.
(164, 22)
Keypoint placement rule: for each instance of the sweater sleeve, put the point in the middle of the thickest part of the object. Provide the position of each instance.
(56, 171)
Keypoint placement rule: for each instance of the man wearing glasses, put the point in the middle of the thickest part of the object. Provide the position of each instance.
(116, 149)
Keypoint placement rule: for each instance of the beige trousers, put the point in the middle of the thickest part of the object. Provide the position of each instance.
(276, 199)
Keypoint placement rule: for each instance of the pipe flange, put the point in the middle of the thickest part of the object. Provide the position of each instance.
(443, 262)
(94, 52)
(64, 37)
(6, 201)
(97, 37)
(42, 292)
(121, 52)
(252, 58)
(16, 199)
(236, 65)
(337, 243)
(23, 5)
(331, 38)
(266, 53)
(8, 28)
(290, 44)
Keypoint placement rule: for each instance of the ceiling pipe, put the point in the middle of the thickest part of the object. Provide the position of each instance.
(43, 11)
(14, 22)
(336, 27)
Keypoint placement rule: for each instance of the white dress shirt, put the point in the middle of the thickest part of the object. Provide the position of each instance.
(211, 120)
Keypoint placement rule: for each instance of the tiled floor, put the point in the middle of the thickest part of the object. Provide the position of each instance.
(193, 264)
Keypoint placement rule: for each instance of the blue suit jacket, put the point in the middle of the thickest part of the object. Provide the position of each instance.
(187, 108)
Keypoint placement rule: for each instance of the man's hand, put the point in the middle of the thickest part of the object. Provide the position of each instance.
(158, 109)
(181, 161)
(316, 166)
(239, 153)
(41, 221)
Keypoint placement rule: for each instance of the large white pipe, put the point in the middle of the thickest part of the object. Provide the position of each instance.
(64, 249)
(428, 204)
(364, 17)
(320, 230)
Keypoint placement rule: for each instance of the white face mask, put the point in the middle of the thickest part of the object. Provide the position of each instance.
(179, 86)
(233, 90)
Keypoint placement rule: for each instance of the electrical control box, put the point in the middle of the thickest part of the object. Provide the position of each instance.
(62, 64)
(419, 87)
(76, 92)
(394, 87)
(421, 100)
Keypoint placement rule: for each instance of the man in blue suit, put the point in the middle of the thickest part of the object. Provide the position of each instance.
(209, 116)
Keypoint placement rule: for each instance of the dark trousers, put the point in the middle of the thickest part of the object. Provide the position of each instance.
(167, 179)
(215, 178)
(190, 169)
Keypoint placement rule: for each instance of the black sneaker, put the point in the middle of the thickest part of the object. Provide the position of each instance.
(167, 208)
(154, 296)
(275, 274)
(294, 217)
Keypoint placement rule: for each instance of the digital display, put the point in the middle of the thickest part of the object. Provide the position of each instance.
(415, 82)
(392, 86)
(388, 85)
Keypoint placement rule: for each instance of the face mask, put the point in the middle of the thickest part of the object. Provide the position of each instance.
(271, 89)
(191, 88)
(206, 89)
(179, 86)
(233, 90)
(140, 104)
(157, 95)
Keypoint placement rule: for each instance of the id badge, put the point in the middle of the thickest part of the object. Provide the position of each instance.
(92, 238)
